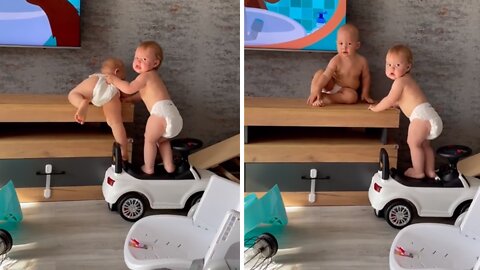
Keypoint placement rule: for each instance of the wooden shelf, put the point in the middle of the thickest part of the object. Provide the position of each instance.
(54, 142)
(49, 108)
(316, 145)
(268, 111)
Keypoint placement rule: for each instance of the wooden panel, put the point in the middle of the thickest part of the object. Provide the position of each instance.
(470, 166)
(324, 198)
(74, 193)
(49, 108)
(215, 154)
(317, 146)
(57, 144)
(266, 111)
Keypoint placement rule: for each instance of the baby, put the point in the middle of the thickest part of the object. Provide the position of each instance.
(425, 124)
(344, 74)
(165, 121)
(96, 90)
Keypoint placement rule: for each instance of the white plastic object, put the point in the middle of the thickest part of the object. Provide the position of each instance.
(313, 175)
(47, 191)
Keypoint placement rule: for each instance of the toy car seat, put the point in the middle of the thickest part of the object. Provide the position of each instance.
(439, 246)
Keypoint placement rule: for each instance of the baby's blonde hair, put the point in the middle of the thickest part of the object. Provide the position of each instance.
(402, 50)
(352, 29)
(116, 64)
(157, 50)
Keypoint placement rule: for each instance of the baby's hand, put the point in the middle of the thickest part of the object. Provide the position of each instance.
(368, 99)
(110, 78)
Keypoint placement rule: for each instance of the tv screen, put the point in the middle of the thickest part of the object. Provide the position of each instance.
(309, 25)
(40, 23)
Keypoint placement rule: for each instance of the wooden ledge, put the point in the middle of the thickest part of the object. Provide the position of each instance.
(333, 198)
(283, 145)
(49, 108)
(48, 144)
(70, 193)
(268, 111)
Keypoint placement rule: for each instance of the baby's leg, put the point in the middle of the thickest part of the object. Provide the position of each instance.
(418, 131)
(154, 130)
(113, 114)
(316, 95)
(429, 159)
(80, 100)
(167, 155)
(344, 96)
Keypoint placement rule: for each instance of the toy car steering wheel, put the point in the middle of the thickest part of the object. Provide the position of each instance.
(186, 144)
(454, 153)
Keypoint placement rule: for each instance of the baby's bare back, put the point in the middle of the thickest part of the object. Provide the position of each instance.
(154, 90)
(348, 71)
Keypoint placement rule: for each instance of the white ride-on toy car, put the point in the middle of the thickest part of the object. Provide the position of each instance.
(399, 198)
(130, 191)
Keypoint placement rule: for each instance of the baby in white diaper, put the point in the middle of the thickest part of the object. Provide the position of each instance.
(425, 123)
(95, 89)
(165, 121)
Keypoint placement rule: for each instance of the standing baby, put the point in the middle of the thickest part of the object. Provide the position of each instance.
(164, 121)
(425, 123)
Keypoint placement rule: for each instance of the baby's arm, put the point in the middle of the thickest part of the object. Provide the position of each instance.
(133, 98)
(128, 87)
(390, 100)
(319, 81)
(366, 83)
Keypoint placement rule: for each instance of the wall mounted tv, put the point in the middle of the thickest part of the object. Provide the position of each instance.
(304, 25)
(40, 23)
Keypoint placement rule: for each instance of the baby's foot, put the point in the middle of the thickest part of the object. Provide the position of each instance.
(147, 171)
(170, 168)
(81, 114)
(318, 103)
(431, 174)
(410, 172)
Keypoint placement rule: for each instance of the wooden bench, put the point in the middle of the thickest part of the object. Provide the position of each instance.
(35, 128)
(288, 131)
(32, 141)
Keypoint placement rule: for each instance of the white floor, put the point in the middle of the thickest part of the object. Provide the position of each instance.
(69, 235)
(86, 235)
(335, 237)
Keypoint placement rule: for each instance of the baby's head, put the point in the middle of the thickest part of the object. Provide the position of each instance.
(148, 56)
(348, 40)
(399, 61)
(113, 66)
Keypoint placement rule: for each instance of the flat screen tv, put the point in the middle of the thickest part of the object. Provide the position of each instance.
(40, 23)
(308, 25)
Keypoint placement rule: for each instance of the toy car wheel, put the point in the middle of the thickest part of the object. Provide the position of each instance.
(399, 214)
(194, 199)
(111, 207)
(131, 207)
(378, 213)
(462, 208)
(6, 242)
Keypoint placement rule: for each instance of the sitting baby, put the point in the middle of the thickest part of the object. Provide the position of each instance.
(96, 90)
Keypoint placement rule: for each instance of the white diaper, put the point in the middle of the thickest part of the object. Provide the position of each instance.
(425, 111)
(168, 110)
(334, 90)
(103, 92)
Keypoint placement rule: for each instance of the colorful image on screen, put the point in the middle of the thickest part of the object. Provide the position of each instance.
(310, 25)
(40, 23)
